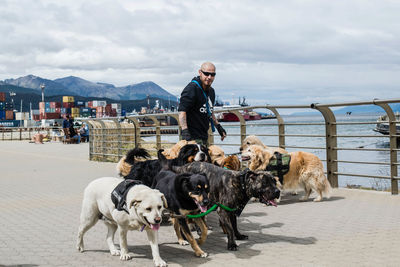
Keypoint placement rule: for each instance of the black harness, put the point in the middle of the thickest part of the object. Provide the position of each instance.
(118, 195)
(279, 165)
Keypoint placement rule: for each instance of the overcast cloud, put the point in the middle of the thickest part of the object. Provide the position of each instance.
(275, 52)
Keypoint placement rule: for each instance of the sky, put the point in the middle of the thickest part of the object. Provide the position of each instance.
(276, 52)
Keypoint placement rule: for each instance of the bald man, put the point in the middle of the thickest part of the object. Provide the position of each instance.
(196, 107)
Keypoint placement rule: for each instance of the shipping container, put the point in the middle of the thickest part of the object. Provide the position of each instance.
(10, 123)
(79, 104)
(9, 115)
(55, 105)
(68, 104)
(2, 97)
(2, 105)
(36, 117)
(116, 105)
(68, 99)
(22, 115)
(2, 114)
(35, 111)
(49, 116)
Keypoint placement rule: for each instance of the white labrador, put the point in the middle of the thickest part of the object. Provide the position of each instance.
(144, 205)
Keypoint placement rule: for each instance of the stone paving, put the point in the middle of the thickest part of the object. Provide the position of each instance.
(41, 190)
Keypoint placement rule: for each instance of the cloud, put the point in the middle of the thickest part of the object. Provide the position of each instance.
(277, 52)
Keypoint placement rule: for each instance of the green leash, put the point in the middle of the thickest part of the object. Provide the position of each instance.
(210, 210)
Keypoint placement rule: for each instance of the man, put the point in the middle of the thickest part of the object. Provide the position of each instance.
(196, 107)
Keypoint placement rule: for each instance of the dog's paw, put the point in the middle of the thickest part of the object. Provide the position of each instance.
(125, 257)
(232, 247)
(304, 198)
(242, 237)
(318, 199)
(201, 254)
(159, 263)
(80, 248)
(115, 252)
(183, 242)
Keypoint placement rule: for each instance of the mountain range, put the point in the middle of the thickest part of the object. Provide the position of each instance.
(76, 86)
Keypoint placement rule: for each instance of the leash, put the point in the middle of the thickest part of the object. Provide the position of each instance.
(192, 216)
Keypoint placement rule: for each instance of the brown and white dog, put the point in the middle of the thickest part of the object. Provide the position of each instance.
(218, 158)
(305, 169)
(173, 152)
(254, 140)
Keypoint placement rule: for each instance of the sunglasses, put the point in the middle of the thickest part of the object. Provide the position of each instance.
(208, 73)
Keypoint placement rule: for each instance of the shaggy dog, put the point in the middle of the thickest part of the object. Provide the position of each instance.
(234, 189)
(218, 158)
(305, 169)
(142, 210)
(254, 140)
(186, 193)
(145, 171)
(173, 152)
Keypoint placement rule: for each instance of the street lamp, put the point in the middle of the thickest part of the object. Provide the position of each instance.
(42, 87)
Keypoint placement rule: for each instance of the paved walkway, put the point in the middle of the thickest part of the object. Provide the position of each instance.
(40, 197)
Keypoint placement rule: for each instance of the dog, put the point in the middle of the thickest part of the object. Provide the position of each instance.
(186, 193)
(305, 169)
(218, 158)
(142, 210)
(173, 152)
(231, 162)
(254, 140)
(148, 169)
(233, 189)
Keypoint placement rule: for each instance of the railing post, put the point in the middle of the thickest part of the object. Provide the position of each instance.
(158, 131)
(281, 127)
(331, 144)
(103, 138)
(91, 137)
(119, 138)
(393, 146)
(137, 130)
(242, 125)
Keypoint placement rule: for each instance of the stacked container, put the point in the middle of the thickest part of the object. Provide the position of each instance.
(2, 106)
(49, 110)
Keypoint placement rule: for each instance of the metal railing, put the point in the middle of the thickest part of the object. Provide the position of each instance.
(110, 138)
(25, 133)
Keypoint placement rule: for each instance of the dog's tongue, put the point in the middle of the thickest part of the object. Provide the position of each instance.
(202, 208)
(155, 227)
(272, 202)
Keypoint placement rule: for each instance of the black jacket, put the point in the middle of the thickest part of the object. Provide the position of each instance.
(193, 102)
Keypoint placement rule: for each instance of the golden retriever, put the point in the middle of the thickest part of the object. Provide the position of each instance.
(305, 169)
(218, 157)
(254, 140)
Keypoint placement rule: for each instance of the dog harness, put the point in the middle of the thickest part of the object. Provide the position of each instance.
(118, 195)
(279, 165)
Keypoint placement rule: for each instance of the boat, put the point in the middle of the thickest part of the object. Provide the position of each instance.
(382, 125)
(248, 114)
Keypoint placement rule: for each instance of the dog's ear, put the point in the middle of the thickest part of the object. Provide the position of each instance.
(164, 200)
(135, 202)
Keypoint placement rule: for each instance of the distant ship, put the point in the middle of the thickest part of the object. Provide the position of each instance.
(382, 125)
(248, 114)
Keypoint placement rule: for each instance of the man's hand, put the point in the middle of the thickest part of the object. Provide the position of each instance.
(221, 131)
(186, 134)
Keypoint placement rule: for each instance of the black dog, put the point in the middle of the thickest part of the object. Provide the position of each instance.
(145, 171)
(186, 193)
(234, 189)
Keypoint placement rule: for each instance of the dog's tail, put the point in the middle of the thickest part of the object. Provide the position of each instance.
(137, 152)
(163, 160)
(327, 188)
(125, 163)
